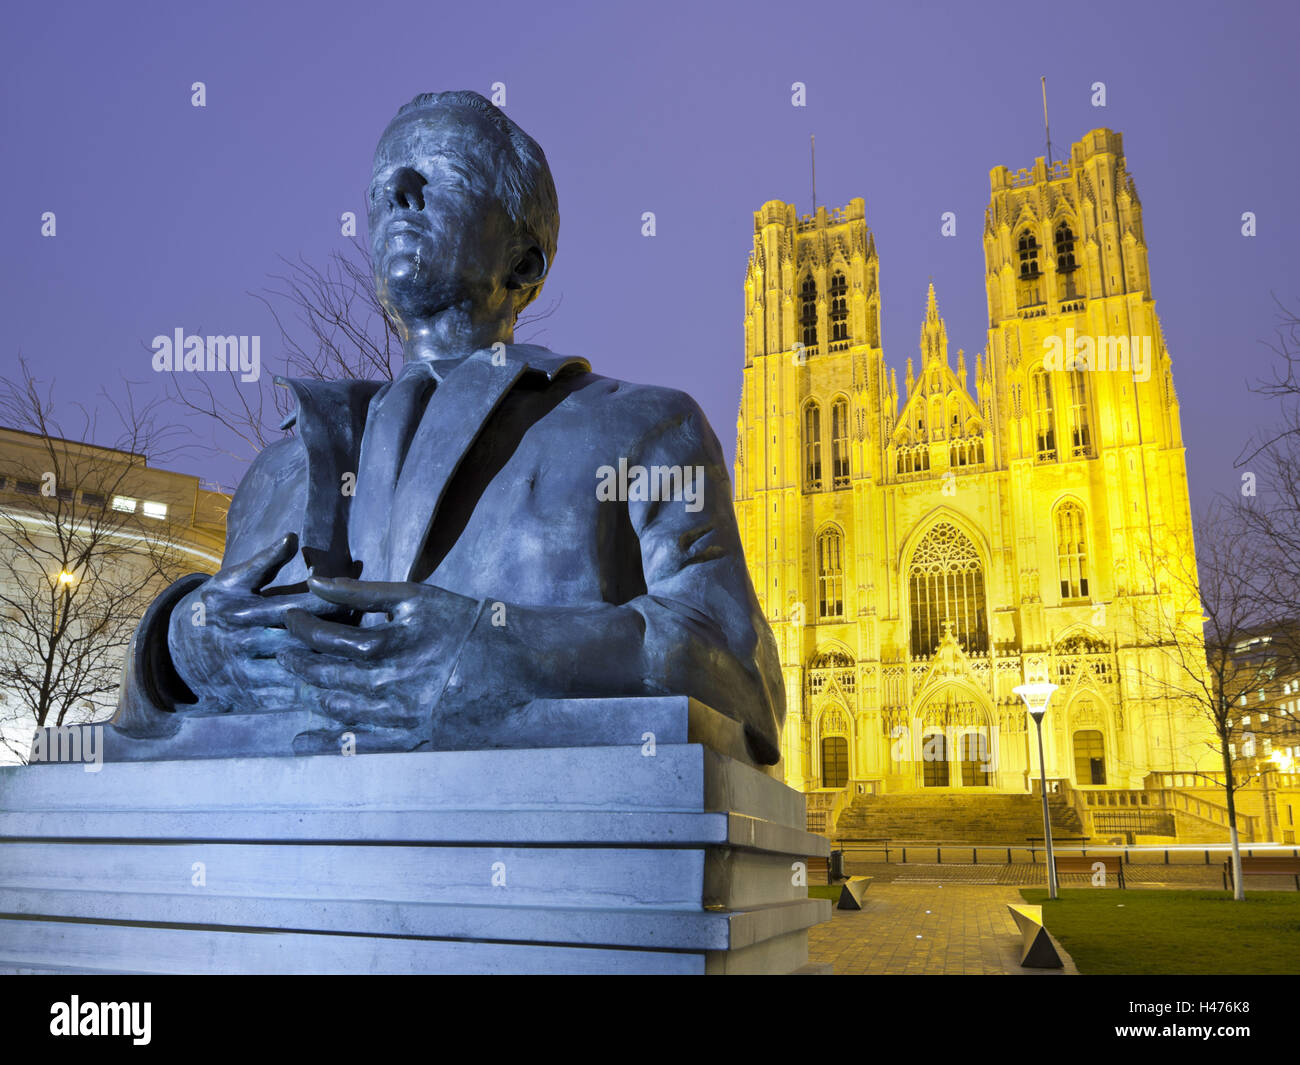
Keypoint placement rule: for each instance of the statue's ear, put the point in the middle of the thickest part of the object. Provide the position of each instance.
(530, 268)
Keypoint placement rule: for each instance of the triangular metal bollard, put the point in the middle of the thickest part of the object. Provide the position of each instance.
(1038, 950)
(852, 891)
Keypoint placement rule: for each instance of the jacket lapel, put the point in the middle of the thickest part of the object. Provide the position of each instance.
(330, 418)
(457, 412)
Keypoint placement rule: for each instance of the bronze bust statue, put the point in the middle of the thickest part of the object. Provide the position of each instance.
(423, 559)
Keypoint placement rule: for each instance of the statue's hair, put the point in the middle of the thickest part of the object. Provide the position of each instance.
(523, 184)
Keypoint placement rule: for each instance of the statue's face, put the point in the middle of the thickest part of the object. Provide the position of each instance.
(438, 235)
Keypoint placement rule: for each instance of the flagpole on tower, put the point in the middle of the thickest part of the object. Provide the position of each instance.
(814, 171)
(1047, 130)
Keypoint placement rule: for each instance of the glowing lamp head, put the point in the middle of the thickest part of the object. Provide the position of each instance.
(67, 579)
(1036, 697)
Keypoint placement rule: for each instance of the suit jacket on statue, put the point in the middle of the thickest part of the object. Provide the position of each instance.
(497, 500)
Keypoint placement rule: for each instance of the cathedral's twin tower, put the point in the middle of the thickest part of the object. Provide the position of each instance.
(923, 548)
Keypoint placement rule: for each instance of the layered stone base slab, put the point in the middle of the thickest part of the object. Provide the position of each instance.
(598, 859)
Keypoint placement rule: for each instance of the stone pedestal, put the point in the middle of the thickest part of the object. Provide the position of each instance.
(663, 856)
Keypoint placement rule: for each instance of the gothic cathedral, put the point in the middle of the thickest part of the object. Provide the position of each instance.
(922, 552)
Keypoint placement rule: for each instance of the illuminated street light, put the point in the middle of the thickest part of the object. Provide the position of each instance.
(1036, 697)
(66, 578)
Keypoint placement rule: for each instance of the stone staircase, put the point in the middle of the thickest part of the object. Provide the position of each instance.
(947, 817)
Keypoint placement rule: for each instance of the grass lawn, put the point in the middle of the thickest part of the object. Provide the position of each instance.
(824, 891)
(1175, 932)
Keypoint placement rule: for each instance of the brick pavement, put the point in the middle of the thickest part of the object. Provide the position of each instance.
(927, 928)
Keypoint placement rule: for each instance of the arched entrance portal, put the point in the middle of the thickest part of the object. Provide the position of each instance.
(958, 748)
(834, 733)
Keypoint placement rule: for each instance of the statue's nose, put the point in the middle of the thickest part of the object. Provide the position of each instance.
(406, 189)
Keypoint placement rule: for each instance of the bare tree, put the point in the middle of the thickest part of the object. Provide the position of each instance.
(1216, 589)
(1270, 478)
(77, 570)
(331, 326)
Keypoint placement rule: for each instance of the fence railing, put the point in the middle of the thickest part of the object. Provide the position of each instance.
(1164, 779)
(1168, 798)
(824, 809)
(904, 852)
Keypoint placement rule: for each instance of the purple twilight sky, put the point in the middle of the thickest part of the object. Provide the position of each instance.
(169, 215)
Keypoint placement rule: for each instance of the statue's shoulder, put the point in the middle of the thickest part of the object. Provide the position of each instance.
(283, 454)
(641, 407)
(278, 465)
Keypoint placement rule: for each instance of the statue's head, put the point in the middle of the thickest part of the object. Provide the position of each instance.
(463, 213)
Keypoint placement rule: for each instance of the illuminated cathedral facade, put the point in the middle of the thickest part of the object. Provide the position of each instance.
(923, 547)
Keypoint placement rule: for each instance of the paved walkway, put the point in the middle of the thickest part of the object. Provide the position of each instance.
(927, 928)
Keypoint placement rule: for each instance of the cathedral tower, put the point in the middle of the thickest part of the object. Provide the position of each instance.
(922, 550)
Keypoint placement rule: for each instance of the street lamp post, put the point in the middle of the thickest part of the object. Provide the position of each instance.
(65, 581)
(1036, 697)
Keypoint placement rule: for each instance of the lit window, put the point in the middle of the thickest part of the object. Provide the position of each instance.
(1080, 431)
(812, 447)
(830, 575)
(125, 504)
(1044, 416)
(154, 510)
(839, 307)
(946, 588)
(840, 443)
(1071, 552)
(1064, 248)
(1028, 248)
(808, 311)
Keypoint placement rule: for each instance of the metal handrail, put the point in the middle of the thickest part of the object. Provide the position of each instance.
(960, 848)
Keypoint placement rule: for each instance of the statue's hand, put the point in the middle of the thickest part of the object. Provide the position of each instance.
(225, 652)
(387, 674)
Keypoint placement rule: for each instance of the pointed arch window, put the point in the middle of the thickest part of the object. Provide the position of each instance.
(830, 574)
(808, 311)
(946, 586)
(839, 306)
(812, 447)
(1027, 247)
(1071, 551)
(840, 443)
(1080, 422)
(914, 459)
(1064, 248)
(1044, 416)
(831, 665)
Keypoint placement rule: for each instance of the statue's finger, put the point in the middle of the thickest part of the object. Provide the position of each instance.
(260, 643)
(271, 610)
(326, 671)
(370, 597)
(345, 641)
(349, 709)
(256, 570)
